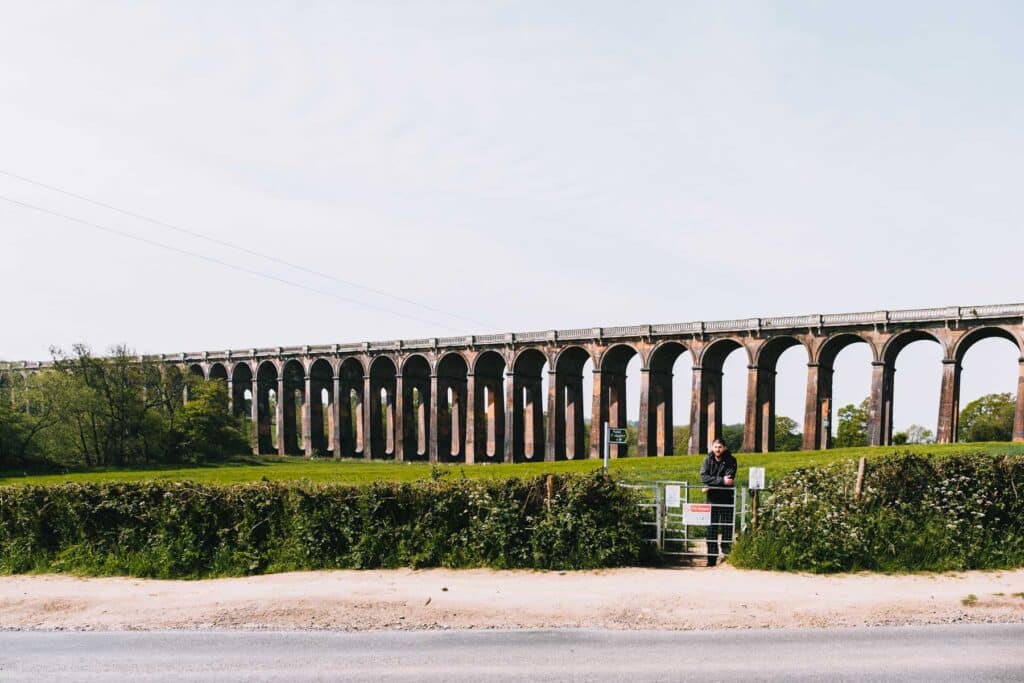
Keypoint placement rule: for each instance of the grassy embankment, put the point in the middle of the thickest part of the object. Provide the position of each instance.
(684, 467)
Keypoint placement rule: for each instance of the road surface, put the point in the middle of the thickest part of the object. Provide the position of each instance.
(913, 653)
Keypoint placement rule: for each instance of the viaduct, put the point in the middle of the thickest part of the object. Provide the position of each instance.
(479, 398)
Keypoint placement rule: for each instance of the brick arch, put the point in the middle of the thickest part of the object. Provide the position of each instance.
(767, 355)
(322, 368)
(706, 414)
(319, 414)
(267, 374)
(242, 374)
(488, 408)
(415, 358)
(452, 407)
(713, 355)
(526, 435)
(416, 407)
(377, 364)
(617, 356)
(570, 356)
(218, 371)
(895, 345)
(241, 377)
(883, 389)
(667, 352)
(351, 368)
(655, 436)
(488, 360)
(381, 413)
(566, 438)
(611, 402)
(450, 360)
(965, 342)
(351, 409)
(829, 349)
(268, 362)
(293, 403)
(526, 359)
(760, 414)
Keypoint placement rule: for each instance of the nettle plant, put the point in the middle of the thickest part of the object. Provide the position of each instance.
(914, 513)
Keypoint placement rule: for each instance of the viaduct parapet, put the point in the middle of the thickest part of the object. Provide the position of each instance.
(480, 398)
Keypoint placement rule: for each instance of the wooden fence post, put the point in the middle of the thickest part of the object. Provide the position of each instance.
(860, 478)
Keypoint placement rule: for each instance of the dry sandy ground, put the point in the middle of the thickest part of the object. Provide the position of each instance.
(692, 598)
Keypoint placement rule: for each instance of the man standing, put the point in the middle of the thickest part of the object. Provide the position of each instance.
(718, 472)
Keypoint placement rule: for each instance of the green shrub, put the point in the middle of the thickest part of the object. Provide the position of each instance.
(183, 529)
(916, 513)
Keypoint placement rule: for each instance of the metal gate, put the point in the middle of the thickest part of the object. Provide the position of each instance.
(679, 519)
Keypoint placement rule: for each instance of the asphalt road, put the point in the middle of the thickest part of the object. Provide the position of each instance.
(933, 653)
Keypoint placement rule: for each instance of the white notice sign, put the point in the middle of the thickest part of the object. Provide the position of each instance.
(756, 479)
(697, 514)
(672, 495)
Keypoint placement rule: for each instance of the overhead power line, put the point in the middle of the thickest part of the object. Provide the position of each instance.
(240, 248)
(219, 262)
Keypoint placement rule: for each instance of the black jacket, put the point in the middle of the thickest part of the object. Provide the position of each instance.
(712, 473)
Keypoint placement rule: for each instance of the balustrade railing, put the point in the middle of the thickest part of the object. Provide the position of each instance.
(796, 322)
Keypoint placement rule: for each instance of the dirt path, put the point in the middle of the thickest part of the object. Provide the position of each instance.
(406, 599)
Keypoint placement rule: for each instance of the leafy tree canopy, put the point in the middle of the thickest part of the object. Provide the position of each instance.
(989, 418)
(853, 426)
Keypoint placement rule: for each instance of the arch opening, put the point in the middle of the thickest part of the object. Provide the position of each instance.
(762, 422)
(383, 383)
(293, 399)
(266, 408)
(416, 408)
(612, 403)
(218, 372)
(242, 402)
(918, 355)
(570, 404)
(849, 395)
(986, 393)
(351, 417)
(669, 373)
(452, 408)
(786, 423)
(529, 393)
(489, 408)
(709, 418)
(321, 412)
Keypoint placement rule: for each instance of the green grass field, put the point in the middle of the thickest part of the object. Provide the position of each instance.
(683, 467)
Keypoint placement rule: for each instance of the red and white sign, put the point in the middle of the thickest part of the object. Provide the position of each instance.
(697, 514)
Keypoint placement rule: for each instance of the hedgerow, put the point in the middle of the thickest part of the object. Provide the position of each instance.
(915, 513)
(189, 530)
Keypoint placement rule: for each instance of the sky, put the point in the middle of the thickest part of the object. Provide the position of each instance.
(471, 167)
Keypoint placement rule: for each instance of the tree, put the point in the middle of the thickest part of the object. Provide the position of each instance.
(208, 431)
(109, 405)
(989, 418)
(918, 434)
(27, 413)
(787, 438)
(681, 440)
(853, 425)
(732, 435)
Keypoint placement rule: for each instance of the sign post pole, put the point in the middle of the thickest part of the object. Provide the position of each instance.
(607, 446)
(617, 436)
